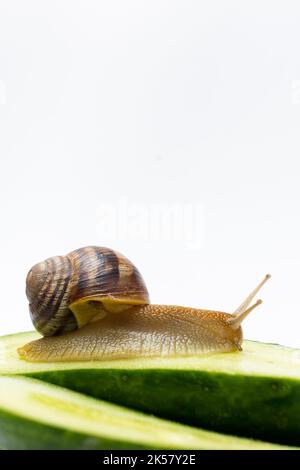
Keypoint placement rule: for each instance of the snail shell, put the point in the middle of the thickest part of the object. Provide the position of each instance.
(67, 292)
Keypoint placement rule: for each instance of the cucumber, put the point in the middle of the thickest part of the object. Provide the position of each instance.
(36, 415)
(254, 393)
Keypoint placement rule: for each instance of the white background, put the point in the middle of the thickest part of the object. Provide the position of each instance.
(112, 109)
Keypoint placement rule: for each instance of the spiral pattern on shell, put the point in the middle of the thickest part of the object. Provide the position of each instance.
(100, 273)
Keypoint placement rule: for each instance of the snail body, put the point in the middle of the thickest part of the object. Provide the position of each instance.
(93, 304)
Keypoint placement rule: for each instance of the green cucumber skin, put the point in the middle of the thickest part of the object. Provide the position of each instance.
(44, 437)
(269, 410)
(254, 394)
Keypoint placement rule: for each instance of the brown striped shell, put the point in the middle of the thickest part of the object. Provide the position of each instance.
(60, 287)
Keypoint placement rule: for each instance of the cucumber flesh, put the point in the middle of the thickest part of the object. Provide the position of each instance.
(261, 359)
(36, 415)
(254, 393)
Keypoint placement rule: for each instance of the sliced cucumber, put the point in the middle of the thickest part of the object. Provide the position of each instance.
(36, 415)
(253, 393)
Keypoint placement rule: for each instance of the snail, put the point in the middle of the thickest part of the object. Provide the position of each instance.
(93, 304)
